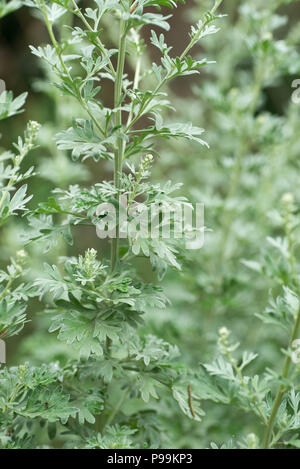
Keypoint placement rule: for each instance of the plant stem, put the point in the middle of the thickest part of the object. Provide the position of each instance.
(170, 73)
(196, 37)
(115, 411)
(120, 146)
(135, 85)
(243, 383)
(65, 69)
(282, 388)
(98, 42)
(6, 289)
(237, 169)
(16, 166)
(5, 193)
(17, 388)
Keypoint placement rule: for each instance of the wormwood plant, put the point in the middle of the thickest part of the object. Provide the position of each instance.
(118, 379)
(105, 398)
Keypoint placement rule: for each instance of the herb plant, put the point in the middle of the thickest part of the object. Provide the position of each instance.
(142, 350)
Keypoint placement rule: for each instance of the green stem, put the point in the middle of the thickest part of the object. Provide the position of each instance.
(65, 69)
(5, 193)
(170, 73)
(196, 37)
(16, 165)
(237, 169)
(98, 42)
(120, 146)
(135, 86)
(115, 411)
(17, 388)
(6, 289)
(240, 376)
(282, 388)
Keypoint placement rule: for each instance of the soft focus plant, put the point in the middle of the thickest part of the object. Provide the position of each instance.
(251, 248)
